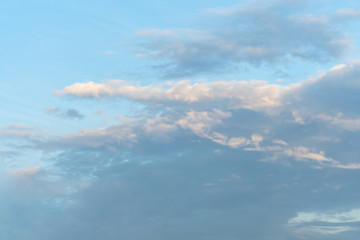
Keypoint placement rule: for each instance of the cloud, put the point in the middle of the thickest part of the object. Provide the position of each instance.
(324, 230)
(347, 13)
(329, 97)
(250, 154)
(69, 113)
(338, 120)
(254, 115)
(306, 223)
(26, 172)
(106, 137)
(304, 153)
(207, 159)
(110, 52)
(73, 114)
(200, 122)
(245, 35)
(252, 95)
(51, 110)
(349, 166)
(342, 217)
(333, 104)
(20, 131)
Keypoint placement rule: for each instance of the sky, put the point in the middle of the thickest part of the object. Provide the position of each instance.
(180, 120)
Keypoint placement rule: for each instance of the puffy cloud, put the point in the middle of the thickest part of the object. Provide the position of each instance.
(254, 116)
(339, 87)
(201, 122)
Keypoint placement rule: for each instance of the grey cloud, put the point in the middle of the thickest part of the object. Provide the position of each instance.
(69, 113)
(29, 200)
(73, 114)
(172, 197)
(206, 171)
(254, 35)
(333, 92)
(205, 161)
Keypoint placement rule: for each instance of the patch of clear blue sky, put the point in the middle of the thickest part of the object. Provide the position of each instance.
(47, 45)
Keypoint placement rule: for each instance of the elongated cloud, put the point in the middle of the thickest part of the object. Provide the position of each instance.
(306, 223)
(252, 95)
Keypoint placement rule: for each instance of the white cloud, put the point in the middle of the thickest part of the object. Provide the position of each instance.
(336, 217)
(348, 166)
(240, 94)
(280, 142)
(309, 223)
(324, 230)
(201, 122)
(160, 126)
(305, 153)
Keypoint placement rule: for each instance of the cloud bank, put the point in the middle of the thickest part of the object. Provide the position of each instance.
(206, 159)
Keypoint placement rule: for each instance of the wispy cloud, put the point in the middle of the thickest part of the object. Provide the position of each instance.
(306, 223)
(246, 35)
(348, 13)
(69, 113)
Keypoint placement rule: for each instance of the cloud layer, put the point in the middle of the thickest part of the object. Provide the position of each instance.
(201, 159)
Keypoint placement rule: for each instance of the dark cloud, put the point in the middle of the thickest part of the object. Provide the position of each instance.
(70, 113)
(200, 194)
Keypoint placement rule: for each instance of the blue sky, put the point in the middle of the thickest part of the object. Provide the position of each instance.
(179, 120)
